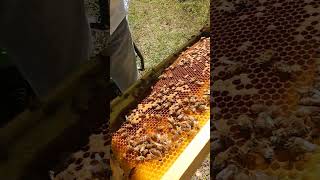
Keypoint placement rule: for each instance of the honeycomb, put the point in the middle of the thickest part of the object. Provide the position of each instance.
(176, 108)
(91, 161)
(264, 88)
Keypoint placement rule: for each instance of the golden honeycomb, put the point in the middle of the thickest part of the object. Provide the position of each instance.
(265, 88)
(186, 80)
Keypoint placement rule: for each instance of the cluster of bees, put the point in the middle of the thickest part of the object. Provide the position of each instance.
(172, 105)
(269, 131)
(147, 146)
(266, 125)
(265, 131)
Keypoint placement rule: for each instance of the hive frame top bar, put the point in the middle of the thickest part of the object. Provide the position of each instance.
(192, 156)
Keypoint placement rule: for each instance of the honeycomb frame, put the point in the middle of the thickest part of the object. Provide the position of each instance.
(192, 66)
(265, 61)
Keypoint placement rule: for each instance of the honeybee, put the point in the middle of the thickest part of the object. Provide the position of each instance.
(149, 156)
(140, 158)
(155, 152)
(199, 83)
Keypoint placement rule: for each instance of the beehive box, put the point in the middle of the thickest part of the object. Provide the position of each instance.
(169, 117)
(265, 88)
(92, 161)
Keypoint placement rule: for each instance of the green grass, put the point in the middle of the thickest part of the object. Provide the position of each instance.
(160, 27)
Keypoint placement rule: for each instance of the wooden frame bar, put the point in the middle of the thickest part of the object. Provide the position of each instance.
(192, 157)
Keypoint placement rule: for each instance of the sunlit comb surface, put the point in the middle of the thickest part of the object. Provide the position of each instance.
(163, 124)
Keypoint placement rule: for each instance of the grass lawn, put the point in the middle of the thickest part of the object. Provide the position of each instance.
(160, 27)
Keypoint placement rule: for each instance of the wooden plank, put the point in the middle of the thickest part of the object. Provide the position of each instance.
(191, 158)
(26, 148)
(28, 119)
